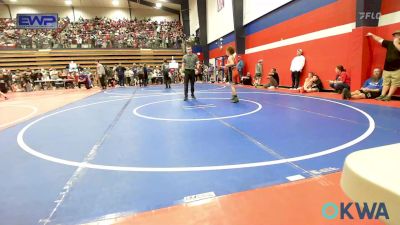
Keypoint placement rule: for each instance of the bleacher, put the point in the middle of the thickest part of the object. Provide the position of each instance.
(60, 58)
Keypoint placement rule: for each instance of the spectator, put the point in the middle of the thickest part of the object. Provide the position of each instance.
(308, 82)
(165, 72)
(146, 75)
(296, 67)
(121, 75)
(246, 80)
(259, 70)
(199, 71)
(83, 79)
(8, 79)
(141, 76)
(240, 66)
(101, 74)
(72, 67)
(391, 69)
(312, 84)
(273, 78)
(371, 89)
(3, 89)
(129, 76)
(210, 73)
(95, 32)
(135, 69)
(341, 81)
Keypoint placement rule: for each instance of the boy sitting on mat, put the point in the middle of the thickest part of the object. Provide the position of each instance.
(273, 78)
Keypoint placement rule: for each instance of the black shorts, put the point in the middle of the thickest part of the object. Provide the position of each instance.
(370, 94)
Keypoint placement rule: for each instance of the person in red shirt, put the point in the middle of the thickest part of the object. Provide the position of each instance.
(341, 81)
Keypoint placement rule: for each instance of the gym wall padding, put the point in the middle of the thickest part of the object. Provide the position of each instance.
(351, 49)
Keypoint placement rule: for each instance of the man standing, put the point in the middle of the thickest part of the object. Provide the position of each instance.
(101, 74)
(240, 67)
(121, 75)
(189, 62)
(165, 72)
(296, 67)
(72, 68)
(391, 69)
(146, 75)
(258, 73)
(3, 89)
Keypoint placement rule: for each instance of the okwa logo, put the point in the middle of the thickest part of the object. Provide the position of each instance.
(363, 211)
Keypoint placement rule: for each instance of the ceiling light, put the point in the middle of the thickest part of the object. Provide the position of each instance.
(68, 2)
(13, 0)
(115, 2)
(158, 5)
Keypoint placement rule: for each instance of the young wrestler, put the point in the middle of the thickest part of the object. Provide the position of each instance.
(232, 73)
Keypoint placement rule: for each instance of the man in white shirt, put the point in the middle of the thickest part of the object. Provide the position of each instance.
(129, 76)
(73, 68)
(296, 67)
(79, 41)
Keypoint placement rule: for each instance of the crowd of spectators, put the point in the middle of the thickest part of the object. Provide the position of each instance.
(95, 33)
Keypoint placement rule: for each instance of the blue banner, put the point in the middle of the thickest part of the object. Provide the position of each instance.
(37, 21)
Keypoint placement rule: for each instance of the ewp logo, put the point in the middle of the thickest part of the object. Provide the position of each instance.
(37, 21)
(363, 210)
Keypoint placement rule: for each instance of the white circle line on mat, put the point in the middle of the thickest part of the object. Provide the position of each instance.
(136, 113)
(28, 149)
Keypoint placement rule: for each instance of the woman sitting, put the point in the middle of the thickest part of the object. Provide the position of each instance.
(342, 80)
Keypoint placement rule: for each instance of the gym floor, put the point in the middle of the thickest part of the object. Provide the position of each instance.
(131, 155)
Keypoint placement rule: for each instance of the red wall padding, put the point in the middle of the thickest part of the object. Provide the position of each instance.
(332, 15)
(357, 53)
(389, 6)
(221, 51)
(321, 57)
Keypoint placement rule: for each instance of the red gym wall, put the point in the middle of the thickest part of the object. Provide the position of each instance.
(377, 52)
(353, 50)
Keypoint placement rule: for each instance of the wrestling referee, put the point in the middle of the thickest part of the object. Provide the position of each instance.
(189, 62)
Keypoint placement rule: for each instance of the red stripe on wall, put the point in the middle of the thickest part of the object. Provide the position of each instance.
(322, 56)
(389, 6)
(332, 15)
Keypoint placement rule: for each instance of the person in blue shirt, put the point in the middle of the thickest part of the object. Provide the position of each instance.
(372, 87)
(240, 67)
